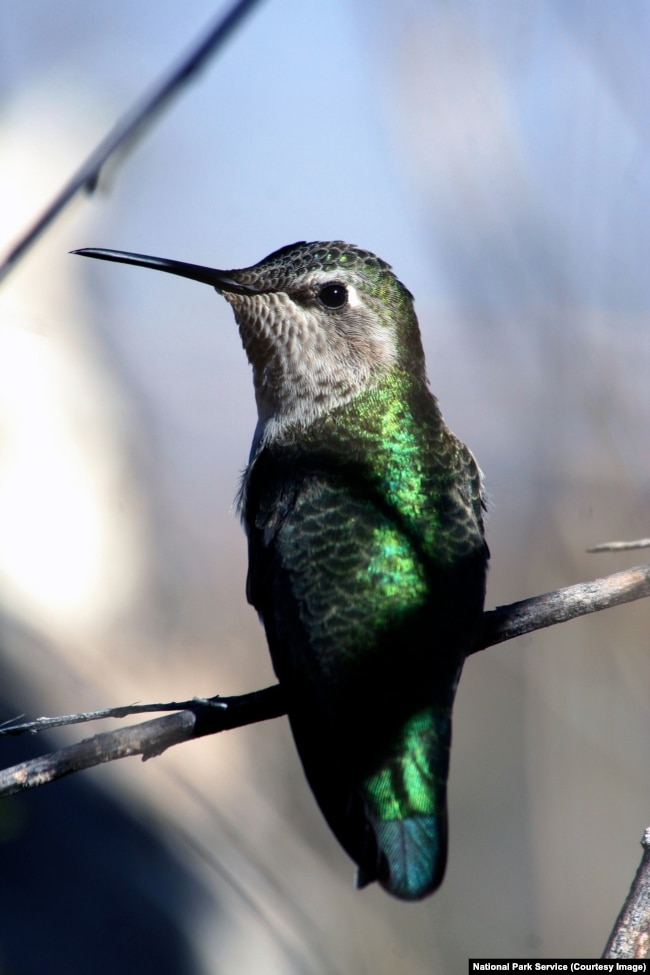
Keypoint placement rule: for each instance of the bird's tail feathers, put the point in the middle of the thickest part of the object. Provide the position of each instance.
(406, 808)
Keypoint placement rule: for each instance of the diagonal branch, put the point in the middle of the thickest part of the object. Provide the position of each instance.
(150, 738)
(631, 935)
(507, 622)
(207, 717)
(130, 127)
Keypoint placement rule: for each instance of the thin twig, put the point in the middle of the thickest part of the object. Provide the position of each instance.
(621, 546)
(203, 718)
(130, 127)
(17, 727)
(631, 935)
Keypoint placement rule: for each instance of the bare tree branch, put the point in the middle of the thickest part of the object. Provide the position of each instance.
(209, 716)
(130, 127)
(148, 739)
(621, 546)
(631, 935)
(507, 622)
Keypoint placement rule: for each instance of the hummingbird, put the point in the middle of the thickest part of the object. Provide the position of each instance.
(366, 548)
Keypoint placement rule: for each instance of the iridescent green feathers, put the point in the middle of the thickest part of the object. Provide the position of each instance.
(406, 804)
(366, 563)
(366, 552)
(366, 559)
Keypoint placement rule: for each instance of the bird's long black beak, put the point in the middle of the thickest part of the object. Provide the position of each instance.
(197, 272)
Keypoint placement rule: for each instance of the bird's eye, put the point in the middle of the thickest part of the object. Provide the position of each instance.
(333, 295)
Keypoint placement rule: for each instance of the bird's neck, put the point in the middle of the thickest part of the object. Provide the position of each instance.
(381, 415)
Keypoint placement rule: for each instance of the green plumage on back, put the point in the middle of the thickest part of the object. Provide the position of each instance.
(366, 552)
(367, 565)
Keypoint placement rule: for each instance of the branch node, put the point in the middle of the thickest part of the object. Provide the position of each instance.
(211, 702)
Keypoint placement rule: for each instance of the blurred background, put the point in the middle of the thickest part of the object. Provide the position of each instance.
(497, 156)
